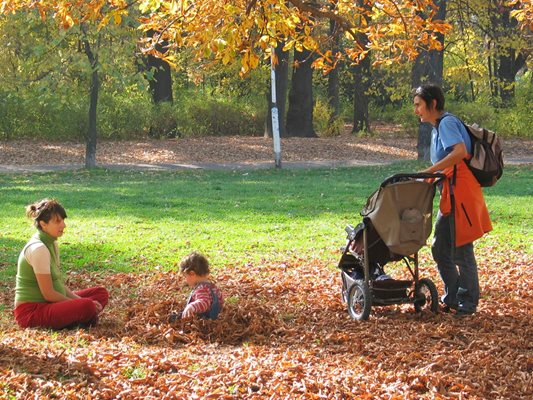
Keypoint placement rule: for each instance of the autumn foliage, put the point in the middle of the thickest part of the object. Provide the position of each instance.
(284, 333)
(223, 31)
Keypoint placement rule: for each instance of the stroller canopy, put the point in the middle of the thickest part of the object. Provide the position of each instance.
(401, 211)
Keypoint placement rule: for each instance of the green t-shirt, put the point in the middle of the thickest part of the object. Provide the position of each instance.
(27, 288)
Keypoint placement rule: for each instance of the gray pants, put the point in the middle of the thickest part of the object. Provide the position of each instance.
(461, 284)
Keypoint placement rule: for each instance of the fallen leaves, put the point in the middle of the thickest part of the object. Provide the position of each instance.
(390, 143)
(283, 333)
(219, 150)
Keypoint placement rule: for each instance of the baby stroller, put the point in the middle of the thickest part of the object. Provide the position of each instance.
(397, 220)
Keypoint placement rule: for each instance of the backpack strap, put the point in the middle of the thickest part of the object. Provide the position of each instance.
(452, 213)
(452, 183)
(466, 129)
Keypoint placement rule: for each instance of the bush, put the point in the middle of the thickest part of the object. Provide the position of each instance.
(62, 114)
(41, 115)
(513, 121)
(9, 118)
(397, 114)
(323, 123)
(163, 121)
(198, 117)
(56, 116)
(507, 122)
(124, 115)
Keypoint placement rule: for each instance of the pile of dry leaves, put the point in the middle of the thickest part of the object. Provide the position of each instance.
(283, 334)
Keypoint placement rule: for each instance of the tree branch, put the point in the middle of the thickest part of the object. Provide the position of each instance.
(346, 25)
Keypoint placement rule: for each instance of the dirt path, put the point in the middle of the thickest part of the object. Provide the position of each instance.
(226, 152)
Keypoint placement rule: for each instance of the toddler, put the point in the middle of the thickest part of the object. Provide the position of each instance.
(206, 299)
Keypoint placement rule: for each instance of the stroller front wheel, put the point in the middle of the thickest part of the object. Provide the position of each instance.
(359, 301)
(426, 296)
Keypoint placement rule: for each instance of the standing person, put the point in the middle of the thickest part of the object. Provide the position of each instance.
(41, 297)
(206, 299)
(463, 216)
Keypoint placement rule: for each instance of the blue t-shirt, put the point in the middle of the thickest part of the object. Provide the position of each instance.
(451, 131)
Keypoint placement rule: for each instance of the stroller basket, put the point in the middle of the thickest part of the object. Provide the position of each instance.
(390, 289)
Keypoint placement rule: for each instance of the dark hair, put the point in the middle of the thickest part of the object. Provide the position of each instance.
(429, 92)
(44, 210)
(196, 263)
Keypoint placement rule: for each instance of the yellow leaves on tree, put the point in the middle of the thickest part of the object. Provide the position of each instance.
(68, 13)
(523, 12)
(226, 30)
(392, 28)
(250, 61)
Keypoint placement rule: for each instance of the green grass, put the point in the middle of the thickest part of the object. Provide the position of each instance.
(131, 221)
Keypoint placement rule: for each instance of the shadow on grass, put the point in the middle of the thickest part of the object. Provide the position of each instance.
(9, 252)
(158, 195)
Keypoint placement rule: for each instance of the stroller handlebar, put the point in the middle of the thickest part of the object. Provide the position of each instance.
(413, 176)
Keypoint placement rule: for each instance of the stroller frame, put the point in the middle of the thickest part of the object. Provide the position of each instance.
(361, 294)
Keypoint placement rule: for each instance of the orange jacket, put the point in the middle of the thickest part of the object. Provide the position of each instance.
(472, 219)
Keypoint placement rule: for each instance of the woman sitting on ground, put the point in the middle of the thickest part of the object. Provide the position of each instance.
(41, 297)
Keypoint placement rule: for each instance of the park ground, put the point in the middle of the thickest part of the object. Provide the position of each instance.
(387, 145)
(284, 332)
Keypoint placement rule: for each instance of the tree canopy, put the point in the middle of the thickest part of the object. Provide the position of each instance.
(248, 29)
(45, 61)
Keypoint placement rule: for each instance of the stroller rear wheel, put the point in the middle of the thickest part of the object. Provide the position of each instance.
(359, 301)
(426, 296)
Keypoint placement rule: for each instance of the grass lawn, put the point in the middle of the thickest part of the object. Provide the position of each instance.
(130, 221)
(273, 238)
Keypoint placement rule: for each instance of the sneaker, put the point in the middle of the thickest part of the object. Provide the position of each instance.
(448, 308)
(463, 313)
(84, 325)
(92, 323)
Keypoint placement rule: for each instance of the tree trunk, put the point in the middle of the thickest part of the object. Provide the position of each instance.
(333, 75)
(90, 148)
(161, 82)
(300, 114)
(465, 36)
(282, 80)
(424, 141)
(428, 67)
(507, 62)
(361, 75)
(361, 120)
(492, 73)
(506, 76)
(90, 144)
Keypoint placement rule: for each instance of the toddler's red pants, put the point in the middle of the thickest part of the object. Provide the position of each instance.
(64, 313)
